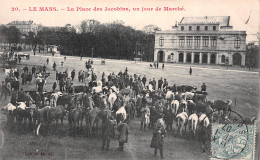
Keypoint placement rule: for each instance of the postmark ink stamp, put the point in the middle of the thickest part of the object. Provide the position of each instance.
(232, 141)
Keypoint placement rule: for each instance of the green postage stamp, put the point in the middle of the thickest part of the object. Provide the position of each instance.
(233, 141)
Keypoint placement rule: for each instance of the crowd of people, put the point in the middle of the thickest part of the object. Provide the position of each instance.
(153, 113)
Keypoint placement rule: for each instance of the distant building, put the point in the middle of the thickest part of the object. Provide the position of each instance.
(201, 40)
(24, 26)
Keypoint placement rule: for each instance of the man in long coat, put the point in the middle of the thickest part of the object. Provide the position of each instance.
(158, 135)
(123, 135)
(108, 133)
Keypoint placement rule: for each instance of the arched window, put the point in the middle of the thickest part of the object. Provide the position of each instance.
(237, 42)
(223, 59)
(161, 41)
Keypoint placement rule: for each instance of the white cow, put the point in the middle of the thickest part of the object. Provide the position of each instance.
(122, 111)
(9, 107)
(193, 121)
(189, 95)
(54, 98)
(182, 120)
(111, 99)
(175, 104)
(169, 96)
(21, 105)
(204, 120)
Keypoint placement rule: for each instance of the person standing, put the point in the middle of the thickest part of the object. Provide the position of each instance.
(145, 117)
(54, 66)
(160, 82)
(123, 135)
(25, 69)
(19, 58)
(47, 60)
(144, 80)
(108, 132)
(158, 135)
(165, 84)
(204, 87)
(163, 66)
(33, 70)
(54, 86)
(154, 83)
(44, 69)
(72, 74)
(190, 70)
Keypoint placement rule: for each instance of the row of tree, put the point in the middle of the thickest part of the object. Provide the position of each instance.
(110, 40)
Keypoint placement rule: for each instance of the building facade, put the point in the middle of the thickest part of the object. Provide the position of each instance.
(24, 26)
(201, 40)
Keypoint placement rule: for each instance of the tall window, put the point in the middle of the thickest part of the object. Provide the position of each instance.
(182, 28)
(190, 28)
(189, 41)
(161, 41)
(237, 42)
(223, 59)
(206, 28)
(197, 41)
(181, 41)
(198, 28)
(205, 41)
(214, 28)
(213, 41)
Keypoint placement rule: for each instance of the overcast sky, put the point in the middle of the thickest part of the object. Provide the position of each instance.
(239, 11)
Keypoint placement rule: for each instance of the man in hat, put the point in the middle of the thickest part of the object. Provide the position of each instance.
(160, 82)
(154, 84)
(72, 74)
(145, 117)
(123, 134)
(108, 132)
(144, 80)
(157, 140)
(165, 84)
(203, 87)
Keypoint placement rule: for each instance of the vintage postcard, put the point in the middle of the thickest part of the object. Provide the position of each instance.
(129, 79)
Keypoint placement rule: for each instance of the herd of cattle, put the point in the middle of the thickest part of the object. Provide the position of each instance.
(119, 98)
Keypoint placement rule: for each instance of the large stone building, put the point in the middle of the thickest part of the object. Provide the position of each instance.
(24, 26)
(202, 40)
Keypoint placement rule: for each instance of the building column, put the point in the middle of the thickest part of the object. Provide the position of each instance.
(208, 60)
(177, 57)
(184, 57)
(155, 55)
(243, 59)
(217, 58)
(192, 57)
(200, 61)
(230, 59)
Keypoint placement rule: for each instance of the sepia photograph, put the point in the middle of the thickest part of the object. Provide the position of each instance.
(129, 79)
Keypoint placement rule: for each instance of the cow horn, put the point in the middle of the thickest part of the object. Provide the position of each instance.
(38, 128)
